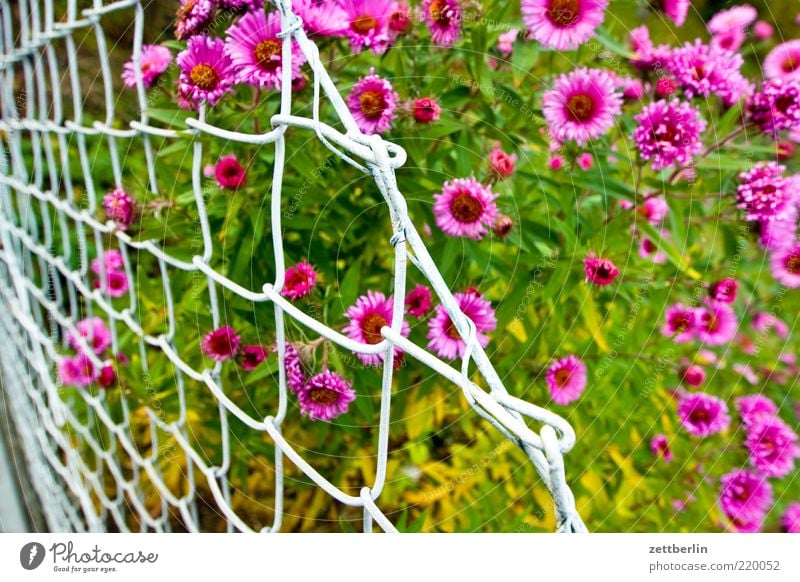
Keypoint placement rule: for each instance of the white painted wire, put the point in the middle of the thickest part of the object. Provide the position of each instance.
(73, 494)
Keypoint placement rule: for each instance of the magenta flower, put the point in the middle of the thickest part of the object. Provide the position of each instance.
(119, 208)
(254, 48)
(94, 331)
(731, 40)
(321, 17)
(325, 396)
(659, 445)
(192, 17)
(599, 271)
(368, 24)
(680, 323)
(372, 102)
(581, 105)
(737, 17)
(724, 290)
(704, 71)
(425, 110)
(647, 56)
(755, 407)
(77, 371)
(772, 445)
(502, 225)
(252, 356)
(763, 30)
(399, 20)
(783, 61)
(501, 164)
(785, 265)
(370, 313)
(556, 162)
(505, 42)
(779, 233)
(702, 414)
(566, 379)
(693, 375)
(295, 376)
(762, 321)
(153, 61)
(221, 344)
(112, 261)
(229, 173)
(790, 520)
(745, 498)
(563, 24)
(443, 335)
(443, 18)
(675, 10)
(107, 377)
(418, 301)
(654, 209)
(649, 250)
(776, 107)
(465, 207)
(668, 133)
(241, 5)
(299, 280)
(115, 285)
(206, 70)
(585, 161)
(716, 323)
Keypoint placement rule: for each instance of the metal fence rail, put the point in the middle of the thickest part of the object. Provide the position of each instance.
(44, 294)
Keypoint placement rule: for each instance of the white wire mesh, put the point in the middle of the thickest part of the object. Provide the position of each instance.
(43, 296)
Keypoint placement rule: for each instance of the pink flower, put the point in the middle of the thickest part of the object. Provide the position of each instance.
(764, 321)
(779, 233)
(654, 209)
(783, 61)
(206, 70)
(295, 376)
(107, 377)
(566, 379)
(505, 42)
(731, 40)
(647, 57)
(716, 323)
(763, 30)
(724, 290)
(372, 102)
(680, 322)
(705, 71)
(321, 17)
(501, 164)
(632, 89)
(745, 497)
(585, 161)
(465, 208)
(418, 301)
(252, 356)
(119, 208)
(299, 280)
(563, 24)
(668, 133)
(785, 265)
(192, 17)
(371, 312)
(676, 10)
(502, 225)
(154, 60)
(94, 331)
(425, 110)
(325, 396)
(116, 281)
(229, 173)
(254, 49)
(368, 24)
(241, 5)
(443, 335)
(443, 18)
(581, 105)
(702, 414)
(693, 375)
(649, 250)
(737, 17)
(772, 445)
(221, 344)
(599, 271)
(399, 19)
(659, 445)
(112, 261)
(764, 193)
(790, 520)
(556, 162)
(776, 107)
(77, 371)
(666, 86)
(755, 407)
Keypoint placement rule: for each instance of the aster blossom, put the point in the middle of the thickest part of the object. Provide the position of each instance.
(370, 313)
(368, 24)
(221, 344)
(563, 24)
(443, 336)
(764, 193)
(566, 379)
(783, 61)
(373, 101)
(206, 70)
(772, 445)
(418, 301)
(299, 280)
(680, 323)
(704, 71)
(745, 498)
(153, 61)
(255, 49)
(293, 367)
(251, 356)
(321, 17)
(715, 323)
(229, 173)
(659, 446)
(325, 396)
(119, 208)
(702, 414)
(94, 332)
(581, 105)
(465, 207)
(599, 271)
(785, 265)
(193, 16)
(676, 10)
(776, 107)
(77, 370)
(443, 18)
(736, 17)
(668, 133)
(790, 520)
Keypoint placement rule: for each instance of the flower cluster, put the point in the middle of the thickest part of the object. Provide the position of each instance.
(90, 339)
